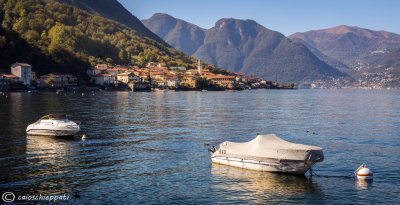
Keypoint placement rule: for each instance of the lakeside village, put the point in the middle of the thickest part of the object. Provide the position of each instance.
(155, 76)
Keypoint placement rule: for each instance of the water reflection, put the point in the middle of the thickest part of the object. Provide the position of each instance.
(260, 187)
(150, 146)
(363, 184)
(50, 160)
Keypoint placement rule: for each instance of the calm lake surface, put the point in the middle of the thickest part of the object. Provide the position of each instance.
(149, 147)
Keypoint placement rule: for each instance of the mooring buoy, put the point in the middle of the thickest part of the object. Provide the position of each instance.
(364, 174)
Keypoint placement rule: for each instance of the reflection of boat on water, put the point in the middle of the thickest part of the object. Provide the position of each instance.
(261, 184)
(268, 153)
(47, 147)
(50, 158)
(53, 125)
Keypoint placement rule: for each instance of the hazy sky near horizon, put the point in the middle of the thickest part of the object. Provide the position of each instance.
(285, 16)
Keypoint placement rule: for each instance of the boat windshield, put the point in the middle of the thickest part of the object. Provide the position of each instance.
(52, 117)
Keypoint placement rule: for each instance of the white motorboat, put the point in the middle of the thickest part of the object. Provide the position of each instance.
(53, 125)
(268, 153)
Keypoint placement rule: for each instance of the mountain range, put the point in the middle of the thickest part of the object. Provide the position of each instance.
(71, 36)
(350, 45)
(245, 46)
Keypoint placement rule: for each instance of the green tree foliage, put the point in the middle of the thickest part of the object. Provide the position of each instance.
(3, 41)
(50, 81)
(74, 39)
(201, 83)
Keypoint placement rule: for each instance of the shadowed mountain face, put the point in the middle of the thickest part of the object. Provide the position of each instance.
(182, 35)
(112, 9)
(351, 46)
(330, 61)
(244, 46)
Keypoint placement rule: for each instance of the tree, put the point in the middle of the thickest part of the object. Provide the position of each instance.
(32, 36)
(291, 85)
(50, 81)
(109, 61)
(148, 78)
(201, 83)
(3, 41)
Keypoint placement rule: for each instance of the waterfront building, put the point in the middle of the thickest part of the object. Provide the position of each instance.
(56, 82)
(161, 83)
(4, 83)
(190, 80)
(112, 71)
(173, 83)
(158, 76)
(23, 71)
(104, 79)
(127, 77)
(10, 77)
(93, 71)
(59, 80)
(222, 80)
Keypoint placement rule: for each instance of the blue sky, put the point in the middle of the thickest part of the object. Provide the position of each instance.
(285, 16)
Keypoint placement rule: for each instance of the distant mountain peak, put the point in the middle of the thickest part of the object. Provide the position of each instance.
(225, 21)
(342, 29)
(350, 45)
(162, 15)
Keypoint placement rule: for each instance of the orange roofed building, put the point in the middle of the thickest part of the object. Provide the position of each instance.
(222, 80)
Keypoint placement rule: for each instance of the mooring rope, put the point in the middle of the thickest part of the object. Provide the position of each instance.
(312, 173)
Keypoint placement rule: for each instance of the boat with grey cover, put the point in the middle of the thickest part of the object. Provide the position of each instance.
(268, 153)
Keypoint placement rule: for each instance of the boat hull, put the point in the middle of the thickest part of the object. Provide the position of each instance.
(55, 133)
(290, 167)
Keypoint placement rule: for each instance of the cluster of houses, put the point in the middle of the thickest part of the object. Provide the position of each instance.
(159, 75)
(22, 76)
(154, 75)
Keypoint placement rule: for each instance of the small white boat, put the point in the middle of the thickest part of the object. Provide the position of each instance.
(268, 153)
(53, 125)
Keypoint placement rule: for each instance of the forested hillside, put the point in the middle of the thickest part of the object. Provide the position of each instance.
(112, 9)
(58, 37)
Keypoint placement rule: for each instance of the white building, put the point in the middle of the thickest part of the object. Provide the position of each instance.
(127, 77)
(23, 71)
(93, 71)
(173, 83)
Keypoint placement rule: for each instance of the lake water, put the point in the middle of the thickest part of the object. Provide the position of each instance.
(150, 147)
